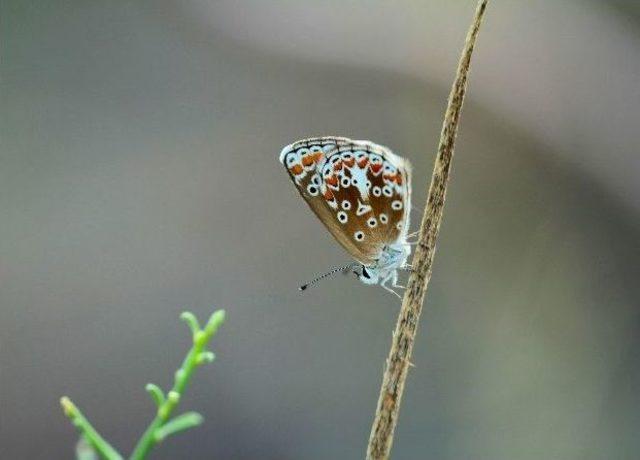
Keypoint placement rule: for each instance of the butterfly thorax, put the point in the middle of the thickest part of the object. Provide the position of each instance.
(392, 257)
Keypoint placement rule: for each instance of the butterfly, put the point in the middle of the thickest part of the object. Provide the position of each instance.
(361, 192)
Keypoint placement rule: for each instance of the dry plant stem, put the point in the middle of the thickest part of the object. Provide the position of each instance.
(395, 374)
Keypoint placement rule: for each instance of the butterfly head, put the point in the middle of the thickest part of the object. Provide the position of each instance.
(368, 275)
(393, 257)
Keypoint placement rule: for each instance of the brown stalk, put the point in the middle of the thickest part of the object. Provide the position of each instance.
(395, 374)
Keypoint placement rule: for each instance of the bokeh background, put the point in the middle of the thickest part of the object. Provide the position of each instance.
(139, 177)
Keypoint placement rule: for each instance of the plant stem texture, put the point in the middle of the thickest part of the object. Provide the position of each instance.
(397, 365)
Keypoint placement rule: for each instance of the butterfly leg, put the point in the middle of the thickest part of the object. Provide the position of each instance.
(384, 282)
(394, 281)
(407, 268)
(411, 235)
(387, 288)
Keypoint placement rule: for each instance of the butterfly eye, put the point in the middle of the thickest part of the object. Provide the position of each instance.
(316, 149)
(372, 222)
(387, 191)
(383, 218)
(326, 170)
(303, 151)
(375, 159)
(342, 217)
(346, 205)
(376, 191)
(345, 182)
(396, 205)
(316, 179)
(359, 236)
(347, 156)
(312, 189)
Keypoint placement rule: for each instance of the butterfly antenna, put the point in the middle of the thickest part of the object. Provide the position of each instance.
(331, 272)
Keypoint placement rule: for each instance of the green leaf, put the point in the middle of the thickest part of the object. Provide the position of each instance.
(177, 424)
(89, 433)
(216, 319)
(191, 321)
(156, 394)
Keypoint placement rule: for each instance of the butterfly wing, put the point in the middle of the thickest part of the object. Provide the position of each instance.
(358, 189)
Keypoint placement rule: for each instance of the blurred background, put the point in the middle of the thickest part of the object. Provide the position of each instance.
(139, 177)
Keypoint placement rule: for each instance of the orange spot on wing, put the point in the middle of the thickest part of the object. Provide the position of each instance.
(397, 178)
(307, 160)
(363, 162)
(376, 168)
(296, 169)
(317, 157)
(332, 180)
(350, 162)
(337, 166)
(328, 195)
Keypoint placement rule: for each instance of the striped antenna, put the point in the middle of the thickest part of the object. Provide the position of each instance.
(331, 272)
